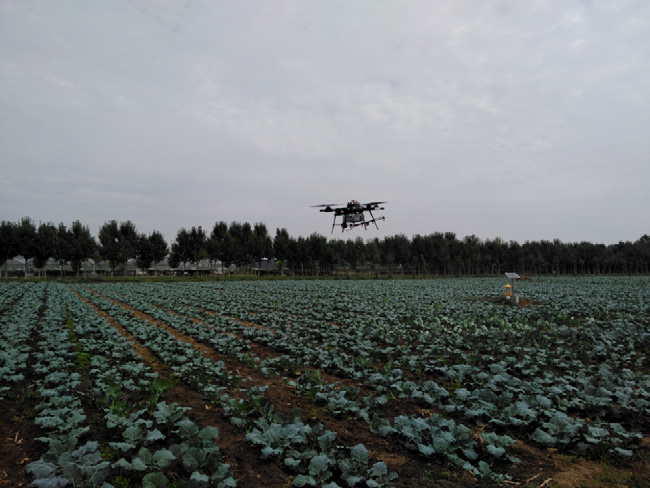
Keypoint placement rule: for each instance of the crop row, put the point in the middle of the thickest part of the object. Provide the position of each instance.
(439, 367)
(577, 384)
(459, 449)
(17, 323)
(81, 368)
(310, 451)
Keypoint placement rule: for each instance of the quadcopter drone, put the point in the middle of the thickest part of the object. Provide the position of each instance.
(353, 214)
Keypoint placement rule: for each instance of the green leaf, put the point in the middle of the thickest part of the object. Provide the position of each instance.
(426, 450)
(209, 434)
(360, 454)
(495, 450)
(597, 432)
(56, 482)
(326, 440)
(155, 480)
(304, 480)
(187, 429)
(122, 463)
(269, 451)
(441, 442)
(193, 458)
(470, 454)
(291, 462)
(543, 437)
(229, 482)
(319, 465)
(138, 464)
(623, 452)
(133, 434)
(379, 470)
(462, 394)
(199, 477)
(41, 469)
(145, 455)
(355, 480)
(121, 446)
(163, 458)
(155, 435)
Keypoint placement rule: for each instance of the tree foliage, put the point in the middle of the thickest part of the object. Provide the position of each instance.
(46, 244)
(439, 253)
(190, 245)
(82, 245)
(9, 246)
(118, 243)
(27, 239)
(150, 249)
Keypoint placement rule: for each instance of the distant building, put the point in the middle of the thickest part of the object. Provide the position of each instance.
(18, 267)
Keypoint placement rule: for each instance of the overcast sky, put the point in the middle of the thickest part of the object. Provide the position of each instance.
(525, 120)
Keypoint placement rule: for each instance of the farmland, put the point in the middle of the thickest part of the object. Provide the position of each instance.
(325, 383)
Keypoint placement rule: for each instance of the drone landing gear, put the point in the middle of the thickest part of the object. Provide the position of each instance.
(373, 221)
(365, 223)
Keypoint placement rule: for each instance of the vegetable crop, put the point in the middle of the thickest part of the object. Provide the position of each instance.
(439, 369)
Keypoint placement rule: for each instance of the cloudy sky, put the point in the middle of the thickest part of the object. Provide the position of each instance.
(525, 120)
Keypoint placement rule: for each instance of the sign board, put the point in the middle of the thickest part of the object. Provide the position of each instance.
(513, 276)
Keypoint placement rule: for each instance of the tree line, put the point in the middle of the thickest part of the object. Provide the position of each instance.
(245, 245)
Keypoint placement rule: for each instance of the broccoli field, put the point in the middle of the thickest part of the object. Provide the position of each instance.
(326, 383)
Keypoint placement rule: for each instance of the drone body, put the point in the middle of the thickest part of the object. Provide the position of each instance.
(353, 214)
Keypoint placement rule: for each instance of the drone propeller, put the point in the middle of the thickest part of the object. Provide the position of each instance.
(325, 205)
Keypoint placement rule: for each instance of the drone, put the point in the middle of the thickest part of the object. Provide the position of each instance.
(353, 214)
